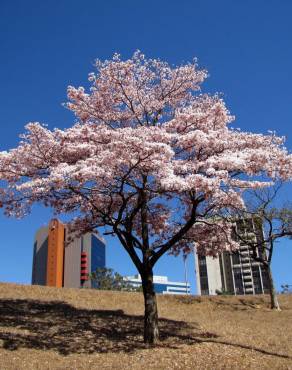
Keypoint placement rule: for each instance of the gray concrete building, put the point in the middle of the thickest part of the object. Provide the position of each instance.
(237, 272)
(40, 254)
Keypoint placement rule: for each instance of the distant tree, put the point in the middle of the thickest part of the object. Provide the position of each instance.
(106, 279)
(286, 288)
(223, 292)
(276, 223)
(151, 159)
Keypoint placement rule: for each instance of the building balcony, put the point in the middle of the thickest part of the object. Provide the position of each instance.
(255, 263)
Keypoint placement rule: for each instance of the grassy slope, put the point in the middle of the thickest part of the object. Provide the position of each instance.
(50, 328)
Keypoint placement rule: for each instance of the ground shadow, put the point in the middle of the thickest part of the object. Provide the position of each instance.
(61, 327)
(66, 329)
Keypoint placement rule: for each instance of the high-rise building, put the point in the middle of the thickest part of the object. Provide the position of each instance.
(237, 272)
(61, 262)
(161, 284)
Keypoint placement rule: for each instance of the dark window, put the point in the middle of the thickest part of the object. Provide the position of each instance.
(221, 273)
(235, 259)
(203, 275)
(257, 280)
(233, 234)
(240, 226)
(238, 281)
(202, 260)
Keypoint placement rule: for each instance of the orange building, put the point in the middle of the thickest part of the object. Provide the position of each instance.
(60, 264)
(55, 259)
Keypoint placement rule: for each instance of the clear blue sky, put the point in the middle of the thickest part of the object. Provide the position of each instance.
(47, 45)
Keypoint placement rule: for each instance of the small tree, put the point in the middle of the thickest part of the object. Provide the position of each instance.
(151, 160)
(223, 292)
(286, 288)
(275, 222)
(106, 279)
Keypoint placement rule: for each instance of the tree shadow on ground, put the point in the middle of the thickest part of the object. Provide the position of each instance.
(66, 329)
(61, 327)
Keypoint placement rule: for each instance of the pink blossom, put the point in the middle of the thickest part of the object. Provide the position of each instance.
(146, 141)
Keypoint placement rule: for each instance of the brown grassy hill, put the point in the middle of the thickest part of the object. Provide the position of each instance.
(51, 328)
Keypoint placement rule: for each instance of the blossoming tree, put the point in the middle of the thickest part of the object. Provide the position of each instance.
(150, 159)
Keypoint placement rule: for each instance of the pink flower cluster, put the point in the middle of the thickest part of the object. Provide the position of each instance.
(144, 130)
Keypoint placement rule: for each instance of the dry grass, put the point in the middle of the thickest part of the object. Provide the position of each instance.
(50, 328)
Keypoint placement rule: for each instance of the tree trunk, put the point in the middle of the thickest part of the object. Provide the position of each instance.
(274, 300)
(151, 332)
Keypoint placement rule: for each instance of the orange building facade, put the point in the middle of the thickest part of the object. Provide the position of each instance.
(55, 259)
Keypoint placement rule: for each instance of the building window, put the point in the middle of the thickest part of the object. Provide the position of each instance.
(202, 260)
(203, 275)
(257, 280)
(235, 259)
(239, 289)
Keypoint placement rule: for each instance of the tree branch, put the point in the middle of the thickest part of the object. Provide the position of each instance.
(165, 247)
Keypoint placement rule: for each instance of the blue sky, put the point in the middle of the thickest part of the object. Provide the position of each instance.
(48, 45)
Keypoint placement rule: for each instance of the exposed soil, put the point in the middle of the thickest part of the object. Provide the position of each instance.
(51, 328)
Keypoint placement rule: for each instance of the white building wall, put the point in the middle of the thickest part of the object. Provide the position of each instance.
(213, 271)
(214, 275)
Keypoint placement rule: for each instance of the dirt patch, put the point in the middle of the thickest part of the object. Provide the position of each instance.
(50, 328)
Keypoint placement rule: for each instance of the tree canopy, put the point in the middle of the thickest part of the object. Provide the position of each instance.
(151, 158)
(145, 135)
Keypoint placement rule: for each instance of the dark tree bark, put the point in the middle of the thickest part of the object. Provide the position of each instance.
(274, 299)
(151, 331)
(150, 256)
